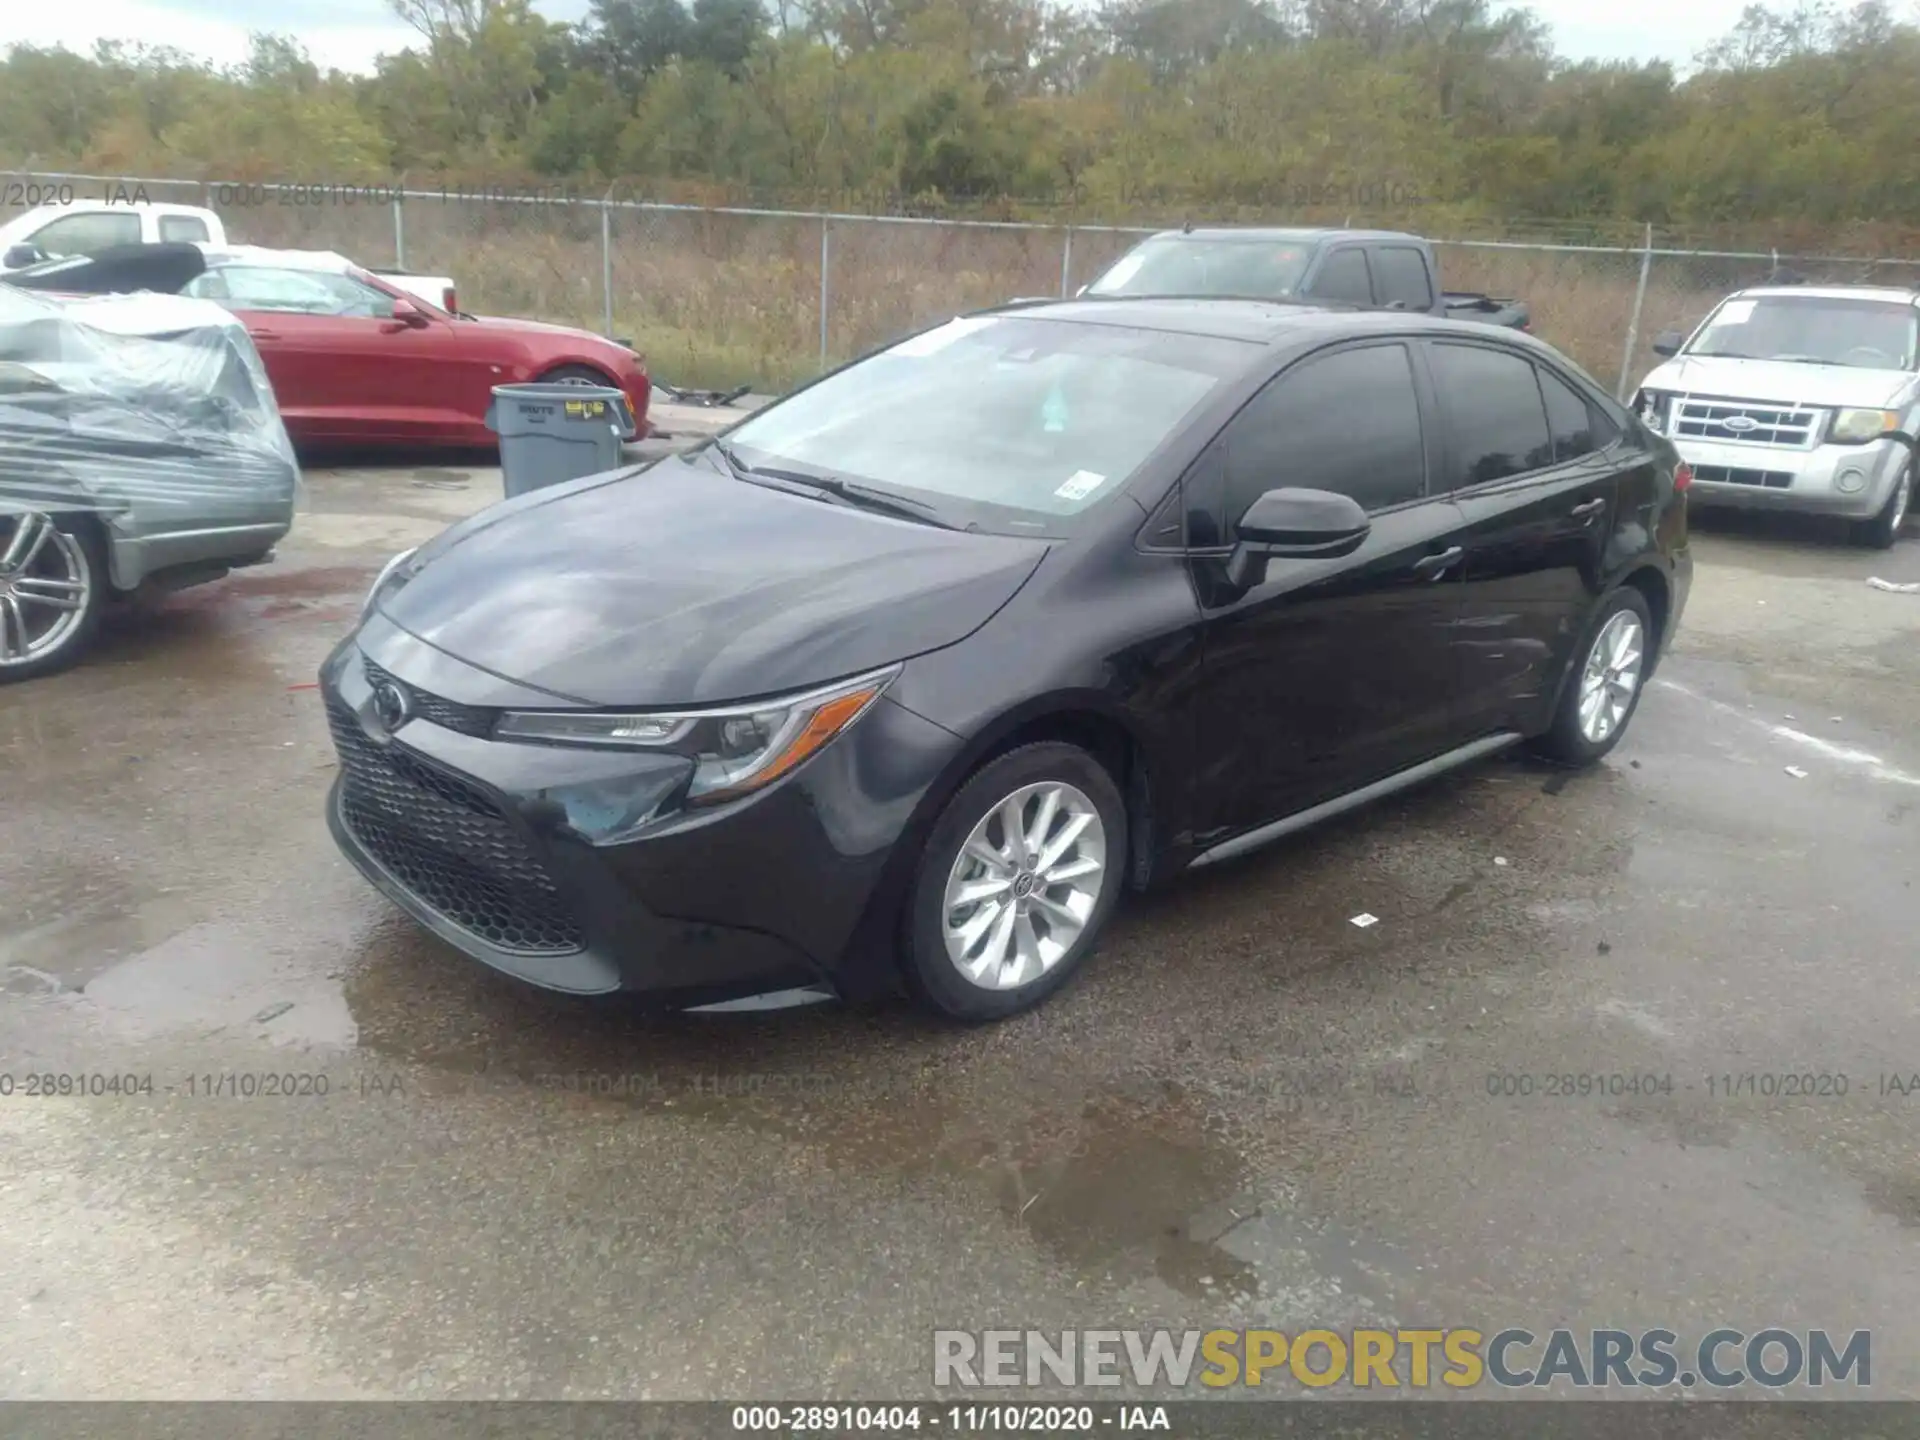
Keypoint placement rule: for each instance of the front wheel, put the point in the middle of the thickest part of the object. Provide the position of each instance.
(53, 586)
(1603, 691)
(1018, 878)
(1883, 530)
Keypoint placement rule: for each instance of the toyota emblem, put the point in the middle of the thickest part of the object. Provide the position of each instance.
(392, 707)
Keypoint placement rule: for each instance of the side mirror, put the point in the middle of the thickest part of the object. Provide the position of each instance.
(18, 257)
(1668, 342)
(1294, 524)
(407, 315)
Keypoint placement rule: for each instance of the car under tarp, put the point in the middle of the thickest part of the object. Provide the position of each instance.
(146, 410)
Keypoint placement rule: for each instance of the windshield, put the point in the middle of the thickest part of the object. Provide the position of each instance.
(1002, 422)
(1190, 265)
(1863, 334)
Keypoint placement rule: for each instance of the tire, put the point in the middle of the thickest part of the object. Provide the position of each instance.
(53, 589)
(1037, 938)
(1572, 740)
(576, 375)
(1883, 530)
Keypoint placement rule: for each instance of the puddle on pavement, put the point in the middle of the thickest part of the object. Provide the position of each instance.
(1124, 1187)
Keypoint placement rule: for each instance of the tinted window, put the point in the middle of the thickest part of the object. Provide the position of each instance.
(1348, 422)
(1343, 276)
(1570, 419)
(1495, 418)
(87, 234)
(1402, 275)
(177, 228)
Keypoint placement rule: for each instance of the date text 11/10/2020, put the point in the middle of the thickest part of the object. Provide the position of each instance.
(1745, 1085)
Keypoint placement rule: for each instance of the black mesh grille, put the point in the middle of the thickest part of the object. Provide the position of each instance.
(449, 844)
(475, 720)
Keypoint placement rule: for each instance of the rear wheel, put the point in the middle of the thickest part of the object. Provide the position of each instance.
(1018, 878)
(1883, 530)
(1604, 689)
(53, 586)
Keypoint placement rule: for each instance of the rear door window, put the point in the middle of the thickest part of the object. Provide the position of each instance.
(177, 228)
(1400, 273)
(1344, 277)
(1496, 420)
(1570, 420)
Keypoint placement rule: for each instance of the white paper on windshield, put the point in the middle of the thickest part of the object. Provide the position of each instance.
(1128, 267)
(1081, 484)
(1735, 312)
(938, 339)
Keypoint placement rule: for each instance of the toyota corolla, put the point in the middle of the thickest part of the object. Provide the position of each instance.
(902, 681)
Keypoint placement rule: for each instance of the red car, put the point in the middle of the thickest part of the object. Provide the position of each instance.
(353, 358)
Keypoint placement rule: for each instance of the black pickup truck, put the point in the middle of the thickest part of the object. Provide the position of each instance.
(1377, 269)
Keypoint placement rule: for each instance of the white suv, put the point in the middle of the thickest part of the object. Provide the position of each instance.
(1784, 397)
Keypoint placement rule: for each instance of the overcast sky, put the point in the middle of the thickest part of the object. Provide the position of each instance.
(349, 33)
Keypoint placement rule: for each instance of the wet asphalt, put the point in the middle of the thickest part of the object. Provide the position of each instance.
(1247, 1110)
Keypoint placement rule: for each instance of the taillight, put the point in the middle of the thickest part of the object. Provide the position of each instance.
(1682, 476)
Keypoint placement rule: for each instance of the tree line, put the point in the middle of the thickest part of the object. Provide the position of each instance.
(1378, 110)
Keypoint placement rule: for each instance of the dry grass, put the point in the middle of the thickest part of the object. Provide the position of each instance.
(716, 300)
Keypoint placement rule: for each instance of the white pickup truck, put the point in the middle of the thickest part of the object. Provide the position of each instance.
(86, 227)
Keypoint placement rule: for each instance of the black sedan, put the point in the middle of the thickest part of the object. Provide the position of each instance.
(901, 681)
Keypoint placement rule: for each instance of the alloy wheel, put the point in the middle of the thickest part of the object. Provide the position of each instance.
(45, 580)
(1024, 886)
(1611, 676)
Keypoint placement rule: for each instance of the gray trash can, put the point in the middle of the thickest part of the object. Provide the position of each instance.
(551, 433)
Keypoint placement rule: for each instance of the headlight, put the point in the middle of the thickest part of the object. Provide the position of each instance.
(386, 574)
(1854, 427)
(735, 751)
(1651, 407)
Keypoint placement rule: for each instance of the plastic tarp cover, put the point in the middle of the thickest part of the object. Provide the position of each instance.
(153, 412)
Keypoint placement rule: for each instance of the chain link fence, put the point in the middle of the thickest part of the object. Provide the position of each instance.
(724, 296)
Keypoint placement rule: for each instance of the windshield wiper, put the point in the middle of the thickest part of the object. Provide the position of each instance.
(846, 491)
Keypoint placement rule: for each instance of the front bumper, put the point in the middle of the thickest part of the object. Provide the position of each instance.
(1852, 481)
(471, 836)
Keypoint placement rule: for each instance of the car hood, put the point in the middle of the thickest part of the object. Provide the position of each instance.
(675, 585)
(538, 327)
(1779, 382)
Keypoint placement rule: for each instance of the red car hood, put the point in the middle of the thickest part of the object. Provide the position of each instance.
(540, 327)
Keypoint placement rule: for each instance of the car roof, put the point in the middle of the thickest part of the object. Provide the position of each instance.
(1268, 323)
(1899, 294)
(1280, 235)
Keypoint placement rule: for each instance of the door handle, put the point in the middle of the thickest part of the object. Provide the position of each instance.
(1590, 509)
(1432, 567)
(264, 334)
